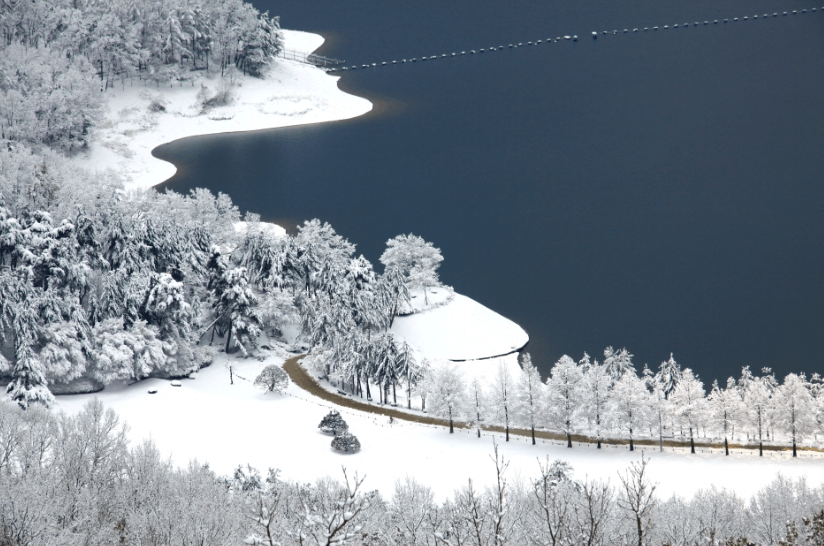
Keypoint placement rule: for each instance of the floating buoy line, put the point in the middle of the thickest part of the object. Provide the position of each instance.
(574, 38)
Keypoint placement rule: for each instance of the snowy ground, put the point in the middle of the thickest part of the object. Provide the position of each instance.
(225, 425)
(291, 94)
(463, 329)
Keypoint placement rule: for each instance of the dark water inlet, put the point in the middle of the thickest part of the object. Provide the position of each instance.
(660, 192)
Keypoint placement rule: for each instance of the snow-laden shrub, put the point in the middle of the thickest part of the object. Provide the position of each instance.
(272, 379)
(346, 442)
(333, 423)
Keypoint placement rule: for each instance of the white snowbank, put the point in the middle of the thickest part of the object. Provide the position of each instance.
(227, 425)
(291, 94)
(463, 329)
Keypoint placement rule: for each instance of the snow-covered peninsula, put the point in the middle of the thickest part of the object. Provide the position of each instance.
(140, 116)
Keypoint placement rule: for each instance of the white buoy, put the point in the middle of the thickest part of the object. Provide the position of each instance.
(725, 20)
(696, 24)
(645, 29)
(567, 37)
(539, 41)
(706, 22)
(755, 16)
(794, 12)
(734, 19)
(625, 31)
(529, 43)
(364, 66)
(520, 43)
(635, 30)
(785, 13)
(594, 35)
(453, 54)
(574, 37)
(715, 22)
(443, 55)
(394, 62)
(383, 63)
(654, 28)
(675, 25)
(745, 18)
(510, 45)
(666, 27)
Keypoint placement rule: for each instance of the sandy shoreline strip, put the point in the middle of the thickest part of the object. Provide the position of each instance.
(291, 94)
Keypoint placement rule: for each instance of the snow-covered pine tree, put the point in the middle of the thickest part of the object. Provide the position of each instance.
(688, 402)
(629, 404)
(756, 403)
(448, 395)
(617, 363)
(660, 410)
(477, 404)
(795, 408)
(724, 408)
(28, 385)
(416, 259)
(669, 373)
(502, 395)
(529, 394)
(564, 396)
(393, 294)
(235, 306)
(596, 396)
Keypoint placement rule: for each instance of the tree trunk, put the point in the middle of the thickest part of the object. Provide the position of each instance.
(726, 447)
(631, 446)
(231, 376)
(394, 394)
(760, 448)
(692, 442)
(368, 393)
(569, 440)
(794, 451)
(533, 434)
(506, 413)
(451, 429)
(228, 338)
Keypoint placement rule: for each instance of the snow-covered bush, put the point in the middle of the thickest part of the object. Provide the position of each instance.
(333, 423)
(346, 442)
(272, 379)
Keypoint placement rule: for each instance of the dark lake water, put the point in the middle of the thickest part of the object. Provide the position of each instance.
(660, 191)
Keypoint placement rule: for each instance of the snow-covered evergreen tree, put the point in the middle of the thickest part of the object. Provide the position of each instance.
(629, 405)
(502, 396)
(447, 398)
(596, 396)
(724, 408)
(668, 376)
(757, 404)
(416, 259)
(478, 406)
(529, 395)
(688, 402)
(617, 363)
(795, 408)
(564, 396)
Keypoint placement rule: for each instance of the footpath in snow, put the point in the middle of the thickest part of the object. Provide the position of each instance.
(292, 93)
(226, 425)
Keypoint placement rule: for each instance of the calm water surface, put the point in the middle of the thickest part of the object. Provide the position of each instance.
(660, 191)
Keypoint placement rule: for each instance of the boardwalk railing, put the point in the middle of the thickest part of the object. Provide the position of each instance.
(308, 58)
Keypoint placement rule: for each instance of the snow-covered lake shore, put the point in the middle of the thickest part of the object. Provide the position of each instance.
(292, 93)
